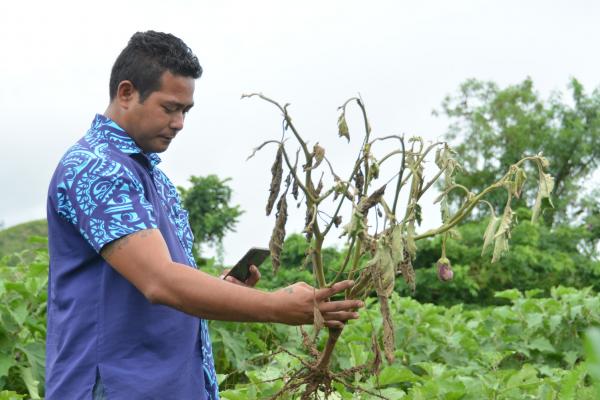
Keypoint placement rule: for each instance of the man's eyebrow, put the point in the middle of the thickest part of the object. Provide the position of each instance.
(179, 105)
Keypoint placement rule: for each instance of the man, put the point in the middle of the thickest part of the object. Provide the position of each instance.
(124, 296)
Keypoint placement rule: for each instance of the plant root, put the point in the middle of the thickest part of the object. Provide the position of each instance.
(318, 382)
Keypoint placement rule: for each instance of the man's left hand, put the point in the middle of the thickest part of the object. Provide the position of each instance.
(250, 282)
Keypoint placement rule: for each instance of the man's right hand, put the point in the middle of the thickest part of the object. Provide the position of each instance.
(295, 304)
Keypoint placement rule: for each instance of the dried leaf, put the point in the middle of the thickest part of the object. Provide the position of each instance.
(490, 232)
(319, 186)
(438, 158)
(444, 159)
(368, 202)
(309, 221)
(389, 342)
(418, 213)
(397, 244)
(363, 285)
(411, 245)
(500, 247)
(519, 180)
(373, 170)
(502, 235)
(277, 174)
(544, 161)
(318, 155)
(384, 271)
(278, 235)
(356, 226)
(408, 272)
(295, 188)
(359, 181)
(376, 366)
(546, 186)
(319, 321)
(343, 126)
(295, 185)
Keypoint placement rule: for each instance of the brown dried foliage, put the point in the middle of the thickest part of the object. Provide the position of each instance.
(276, 175)
(308, 223)
(371, 201)
(408, 273)
(359, 182)
(388, 329)
(278, 235)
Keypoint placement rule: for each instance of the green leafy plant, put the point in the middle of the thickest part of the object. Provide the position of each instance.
(390, 247)
(23, 294)
(531, 348)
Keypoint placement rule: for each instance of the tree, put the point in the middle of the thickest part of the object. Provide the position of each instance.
(498, 126)
(210, 213)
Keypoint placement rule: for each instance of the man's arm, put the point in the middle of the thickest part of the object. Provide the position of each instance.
(144, 260)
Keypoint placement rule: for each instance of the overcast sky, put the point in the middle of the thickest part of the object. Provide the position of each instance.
(402, 57)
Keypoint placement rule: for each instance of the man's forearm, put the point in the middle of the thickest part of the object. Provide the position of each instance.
(143, 259)
(198, 293)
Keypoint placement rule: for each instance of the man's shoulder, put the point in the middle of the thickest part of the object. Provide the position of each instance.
(89, 158)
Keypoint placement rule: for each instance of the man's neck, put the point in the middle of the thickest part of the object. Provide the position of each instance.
(116, 115)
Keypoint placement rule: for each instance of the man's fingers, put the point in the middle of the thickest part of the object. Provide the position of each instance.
(225, 272)
(234, 280)
(337, 287)
(341, 316)
(342, 305)
(254, 276)
(334, 324)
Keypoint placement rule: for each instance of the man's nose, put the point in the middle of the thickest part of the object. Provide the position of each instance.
(177, 121)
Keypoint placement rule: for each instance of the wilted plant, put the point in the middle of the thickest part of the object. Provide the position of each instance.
(391, 247)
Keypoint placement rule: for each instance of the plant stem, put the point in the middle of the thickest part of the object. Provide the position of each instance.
(467, 207)
(317, 261)
(346, 259)
(325, 359)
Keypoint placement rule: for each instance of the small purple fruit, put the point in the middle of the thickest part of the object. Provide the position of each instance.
(444, 269)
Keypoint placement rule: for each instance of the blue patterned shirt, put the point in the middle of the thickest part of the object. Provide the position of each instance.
(104, 188)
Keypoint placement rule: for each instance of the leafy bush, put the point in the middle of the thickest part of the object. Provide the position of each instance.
(23, 294)
(531, 348)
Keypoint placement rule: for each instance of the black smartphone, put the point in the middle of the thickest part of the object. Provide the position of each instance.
(254, 256)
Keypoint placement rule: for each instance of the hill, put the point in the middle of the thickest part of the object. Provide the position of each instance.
(16, 238)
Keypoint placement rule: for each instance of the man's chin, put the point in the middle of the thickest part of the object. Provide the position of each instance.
(160, 147)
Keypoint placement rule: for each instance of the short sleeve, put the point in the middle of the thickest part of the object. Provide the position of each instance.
(105, 201)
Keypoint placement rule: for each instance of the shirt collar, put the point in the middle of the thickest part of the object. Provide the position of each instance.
(109, 131)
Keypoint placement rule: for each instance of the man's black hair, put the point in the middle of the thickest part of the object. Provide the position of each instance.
(147, 56)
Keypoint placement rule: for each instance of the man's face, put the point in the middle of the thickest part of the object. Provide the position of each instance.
(155, 122)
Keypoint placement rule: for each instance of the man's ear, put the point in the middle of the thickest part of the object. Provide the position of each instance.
(126, 94)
